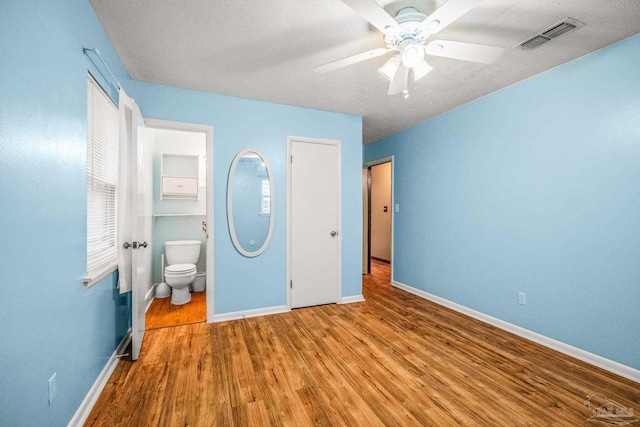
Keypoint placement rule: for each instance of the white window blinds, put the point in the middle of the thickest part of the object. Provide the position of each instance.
(102, 178)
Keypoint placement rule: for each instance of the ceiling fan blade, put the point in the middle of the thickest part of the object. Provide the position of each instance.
(375, 14)
(447, 13)
(349, 60)
(400, 81)
(465, 51)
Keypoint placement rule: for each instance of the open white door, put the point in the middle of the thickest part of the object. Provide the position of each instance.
(136, 220)
(141, 233)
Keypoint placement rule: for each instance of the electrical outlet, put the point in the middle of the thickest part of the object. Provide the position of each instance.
(522, 298)
(53, 388)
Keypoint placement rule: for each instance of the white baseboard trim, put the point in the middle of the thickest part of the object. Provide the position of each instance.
(90, 399)
(593, 359)
(224, 317)
(352, 298)
(149, 297)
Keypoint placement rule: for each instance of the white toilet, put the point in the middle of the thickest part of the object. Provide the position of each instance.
(182, 256)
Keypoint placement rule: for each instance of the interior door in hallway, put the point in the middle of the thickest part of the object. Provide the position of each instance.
(315, 237)
(380, 211)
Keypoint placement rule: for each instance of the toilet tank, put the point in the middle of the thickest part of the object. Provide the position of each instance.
(182, 251)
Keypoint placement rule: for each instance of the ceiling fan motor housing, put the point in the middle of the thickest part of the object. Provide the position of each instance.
(410, 21)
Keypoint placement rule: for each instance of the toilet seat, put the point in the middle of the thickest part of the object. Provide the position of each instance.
(180, 269)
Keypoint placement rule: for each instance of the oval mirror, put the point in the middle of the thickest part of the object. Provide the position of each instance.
(250, 202)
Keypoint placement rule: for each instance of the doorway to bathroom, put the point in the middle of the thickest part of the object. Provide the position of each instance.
(182, 209)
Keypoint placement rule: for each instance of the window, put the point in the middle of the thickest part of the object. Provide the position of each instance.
(102, 178)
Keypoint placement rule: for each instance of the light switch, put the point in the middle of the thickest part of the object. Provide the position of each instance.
(397, 207)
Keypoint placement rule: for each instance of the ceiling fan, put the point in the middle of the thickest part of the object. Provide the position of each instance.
(407, 35)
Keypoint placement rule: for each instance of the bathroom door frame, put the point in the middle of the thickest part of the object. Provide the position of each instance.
(208, 131)
(366, 184)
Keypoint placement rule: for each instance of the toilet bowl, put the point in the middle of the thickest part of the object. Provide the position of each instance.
(179, 277)
(181, 256)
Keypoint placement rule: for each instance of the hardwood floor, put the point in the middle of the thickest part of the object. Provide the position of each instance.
(163, 314)
(394, 360)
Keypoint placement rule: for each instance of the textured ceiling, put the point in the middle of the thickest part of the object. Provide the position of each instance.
(267, 50)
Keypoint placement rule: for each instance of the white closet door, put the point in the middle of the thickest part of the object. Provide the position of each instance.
(315, 220)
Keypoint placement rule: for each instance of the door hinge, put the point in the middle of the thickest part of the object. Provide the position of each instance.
(291, 158)
(290, 284)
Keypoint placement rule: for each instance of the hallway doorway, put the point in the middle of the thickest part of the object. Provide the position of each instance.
(378, 209)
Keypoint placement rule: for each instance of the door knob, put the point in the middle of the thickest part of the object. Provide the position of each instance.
(135, 245)
(334, 233)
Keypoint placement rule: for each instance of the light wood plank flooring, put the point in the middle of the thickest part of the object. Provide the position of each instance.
(394, 360)
(163, 314)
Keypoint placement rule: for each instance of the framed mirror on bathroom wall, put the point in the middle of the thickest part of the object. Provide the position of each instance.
(250, 205)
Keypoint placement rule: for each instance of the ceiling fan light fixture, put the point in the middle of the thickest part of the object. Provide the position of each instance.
(421, 70)
(390, 68)
(412, 55)
(408, 33)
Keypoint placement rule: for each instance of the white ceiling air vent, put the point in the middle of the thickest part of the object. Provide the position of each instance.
(548, 34)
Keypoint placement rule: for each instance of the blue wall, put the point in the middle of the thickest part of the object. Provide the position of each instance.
(49, 323)
(251, 283)
(535, 189)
